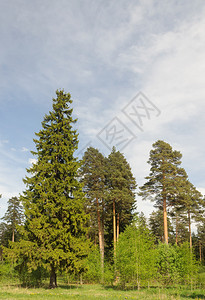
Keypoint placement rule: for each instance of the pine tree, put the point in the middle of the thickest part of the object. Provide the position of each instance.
(54, 232)
(14, 215)
(162, 181)
(201, 230)
(93, 178)
(157, 228)
(201, 240)
(190, 201)
(120, 202)
(179, 220)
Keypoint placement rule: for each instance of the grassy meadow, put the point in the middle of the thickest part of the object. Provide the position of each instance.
(84, 292)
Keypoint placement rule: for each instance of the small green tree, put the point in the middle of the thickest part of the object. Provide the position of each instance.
(167, 264)
(135, 260)
(187, 264)
(176, 264)
(93, 272)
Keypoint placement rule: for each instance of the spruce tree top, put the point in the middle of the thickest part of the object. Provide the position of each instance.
(57, 127)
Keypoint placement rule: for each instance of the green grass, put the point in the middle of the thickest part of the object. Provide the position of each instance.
(86, 292)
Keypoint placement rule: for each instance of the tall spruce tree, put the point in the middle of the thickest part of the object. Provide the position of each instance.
(93, 178)
(162, 181)
(120, 203)
(54, 232)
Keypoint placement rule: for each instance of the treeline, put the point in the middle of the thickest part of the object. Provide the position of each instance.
(79, 218)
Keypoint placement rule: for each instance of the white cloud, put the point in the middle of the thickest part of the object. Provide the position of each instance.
(32, 161)
(201, 190)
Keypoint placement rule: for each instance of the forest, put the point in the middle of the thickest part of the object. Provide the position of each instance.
(77, 219)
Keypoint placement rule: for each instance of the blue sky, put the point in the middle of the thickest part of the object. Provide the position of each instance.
(104, 53)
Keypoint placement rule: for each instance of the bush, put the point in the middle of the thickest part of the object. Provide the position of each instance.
(7, 271)
(176, 264)
(30, 277)
(109, 274)
(93, 266)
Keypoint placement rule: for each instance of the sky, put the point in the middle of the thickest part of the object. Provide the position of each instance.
(135, 71)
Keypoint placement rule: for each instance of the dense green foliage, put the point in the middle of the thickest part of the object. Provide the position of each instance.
(176, 264)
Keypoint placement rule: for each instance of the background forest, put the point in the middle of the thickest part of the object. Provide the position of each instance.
(78, 219)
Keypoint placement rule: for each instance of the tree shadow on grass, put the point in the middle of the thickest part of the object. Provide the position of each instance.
(44, 286)
(129, 288)
(69, 286)
(153, 289)
(193, 295)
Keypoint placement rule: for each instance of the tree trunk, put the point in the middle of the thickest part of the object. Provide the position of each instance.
(165, 211)
(13, 235)
(114, 229)
(176, 230)
(200, 256)
(103, 240)
(100, 237)
(95, 240)
(118, 226)
(53, 278)
(189, 220)
(103, 245)
(165, 221)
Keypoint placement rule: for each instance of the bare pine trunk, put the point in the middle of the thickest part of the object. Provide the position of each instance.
(176, 229)
(118, 226)
(165, 213)
(165, 221)
(114, 229)
(103, 247)
(13, 235)
(200, 256)
(100, 236)
(189, 220)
